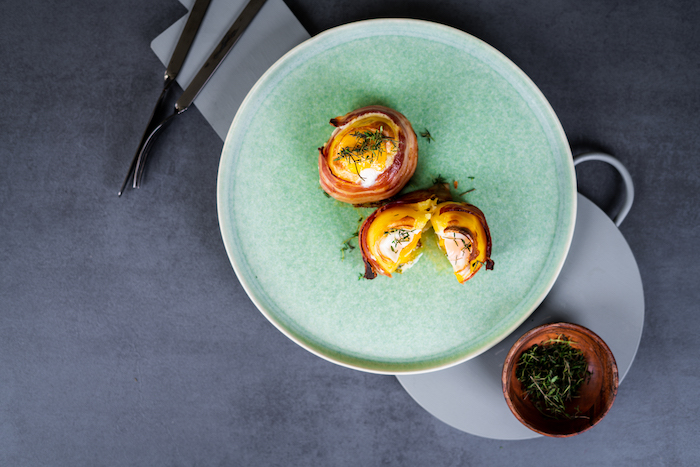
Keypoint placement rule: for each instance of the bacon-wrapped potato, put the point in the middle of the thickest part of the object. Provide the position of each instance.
(464, 236)
(369, 157)
(390, 237)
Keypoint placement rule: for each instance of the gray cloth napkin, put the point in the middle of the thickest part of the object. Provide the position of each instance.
(273, 32)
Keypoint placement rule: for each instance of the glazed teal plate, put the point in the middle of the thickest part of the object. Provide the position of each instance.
(492, 131)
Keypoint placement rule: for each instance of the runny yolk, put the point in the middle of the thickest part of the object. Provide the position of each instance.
(363, 150)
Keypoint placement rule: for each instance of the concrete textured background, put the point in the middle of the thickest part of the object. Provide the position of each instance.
(125, 337)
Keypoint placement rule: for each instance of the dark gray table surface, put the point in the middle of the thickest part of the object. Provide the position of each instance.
(125, 336)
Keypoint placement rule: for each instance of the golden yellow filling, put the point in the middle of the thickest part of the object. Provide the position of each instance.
(364, 149)
(394, 235)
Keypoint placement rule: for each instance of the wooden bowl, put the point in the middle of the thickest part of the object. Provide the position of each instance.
(596, 395)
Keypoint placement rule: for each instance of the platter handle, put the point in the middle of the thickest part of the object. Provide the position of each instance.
(626, 177)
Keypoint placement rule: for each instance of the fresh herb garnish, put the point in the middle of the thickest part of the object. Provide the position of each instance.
(347, 246)
(439, 180)
(426, 134)
(469, 190)
(465, 245)
(552, 373)
(369, 146)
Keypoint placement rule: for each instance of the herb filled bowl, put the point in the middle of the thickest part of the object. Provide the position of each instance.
(560, 379)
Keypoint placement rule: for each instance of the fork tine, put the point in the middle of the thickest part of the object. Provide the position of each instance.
(146, 133)
(142, 155)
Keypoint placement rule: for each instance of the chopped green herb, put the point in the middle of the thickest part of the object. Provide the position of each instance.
(347, 246)
(552, 374)
(426, 134)
(465, 245)
(464, 242)
(439, 180)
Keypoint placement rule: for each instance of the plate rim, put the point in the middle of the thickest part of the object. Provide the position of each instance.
(376, 366)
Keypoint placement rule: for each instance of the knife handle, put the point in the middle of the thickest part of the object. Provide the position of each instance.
(194, 20)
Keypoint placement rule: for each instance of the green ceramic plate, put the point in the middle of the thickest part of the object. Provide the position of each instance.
(492, 131)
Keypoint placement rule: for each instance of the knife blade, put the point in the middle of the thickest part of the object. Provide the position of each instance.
(217, 56)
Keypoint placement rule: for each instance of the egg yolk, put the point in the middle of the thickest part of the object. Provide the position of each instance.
(364, 149)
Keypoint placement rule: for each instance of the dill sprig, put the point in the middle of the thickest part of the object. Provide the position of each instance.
(347, 246)
(426, 134)
(469, 190)
(439, 180)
